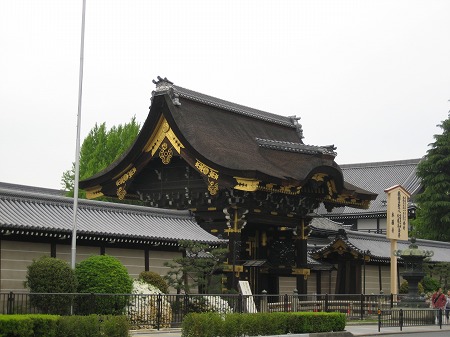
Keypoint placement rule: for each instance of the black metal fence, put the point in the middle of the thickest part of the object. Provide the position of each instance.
(157, 311)
(410, 317)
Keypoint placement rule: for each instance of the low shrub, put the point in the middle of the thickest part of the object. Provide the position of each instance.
(93, 326)
(67, 326)
(154, 279)
(316, 322)
(202, 325)
(102, 274)
(260, 324)
(28, 325)
(51, 275)
(263, 324)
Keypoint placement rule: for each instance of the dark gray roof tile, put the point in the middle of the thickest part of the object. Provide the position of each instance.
(237, 108)
(380, 247)
(377, 177)
(38, 211)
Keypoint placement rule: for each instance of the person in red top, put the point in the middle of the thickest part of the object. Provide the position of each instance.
(438, 301)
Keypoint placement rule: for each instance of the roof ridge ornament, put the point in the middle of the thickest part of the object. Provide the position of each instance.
(296, 146)
(297, 125)
(163, 85)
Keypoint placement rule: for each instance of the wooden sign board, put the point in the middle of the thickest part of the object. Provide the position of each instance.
(245, 290)
(397, 213)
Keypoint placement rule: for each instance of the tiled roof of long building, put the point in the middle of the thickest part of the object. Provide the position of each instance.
(31, 211)
(377, 177)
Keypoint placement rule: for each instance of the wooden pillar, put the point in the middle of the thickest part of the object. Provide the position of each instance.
(301, 258)
(394, 277)
(236, 222)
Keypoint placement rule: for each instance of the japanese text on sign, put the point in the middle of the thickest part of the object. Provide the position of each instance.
(397, 213)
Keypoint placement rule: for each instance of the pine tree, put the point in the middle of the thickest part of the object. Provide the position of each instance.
(433, 214)
(196, 268)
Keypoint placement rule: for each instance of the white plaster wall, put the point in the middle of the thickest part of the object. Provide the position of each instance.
(64, 252)
(15, 258)
(366, 224)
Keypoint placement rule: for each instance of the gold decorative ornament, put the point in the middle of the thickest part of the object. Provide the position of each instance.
(213, 187)
(94, 192)
(213, 176)
(319, 176)
(165, 153)
(121, 193)
(245, 184)
(126, 176)
(162, 131)
(120, 183)
(288, 189)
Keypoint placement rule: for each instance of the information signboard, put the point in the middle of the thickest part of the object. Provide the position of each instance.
(250, 306)
(397, 213)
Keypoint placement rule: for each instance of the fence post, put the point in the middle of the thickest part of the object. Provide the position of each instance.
(264, 305)
(186, 304)
(240, 303)
(286, 303)
(158, 311)
(440, 318)
(326, 302)
(295, 301)
(93, 305)
(392, 300)
(10, 307)
(362, 307)
(400, 317)
(379, 319)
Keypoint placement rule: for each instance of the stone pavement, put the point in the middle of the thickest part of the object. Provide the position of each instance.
(350, 330)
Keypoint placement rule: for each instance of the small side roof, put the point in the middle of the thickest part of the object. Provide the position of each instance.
(39, 212)
(377, 246)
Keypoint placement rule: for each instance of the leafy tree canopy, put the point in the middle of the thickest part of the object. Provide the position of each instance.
(433, 214)
(100, 148)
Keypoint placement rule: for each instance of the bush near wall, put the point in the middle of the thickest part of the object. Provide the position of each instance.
(260, 324)
(102, 274)
(67, 326)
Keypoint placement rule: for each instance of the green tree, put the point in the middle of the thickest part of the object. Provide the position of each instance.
(100, 148)
(196, 268)
(439, 273)
(102, 274)
(154, 279)
(51, 275)
(433, 213)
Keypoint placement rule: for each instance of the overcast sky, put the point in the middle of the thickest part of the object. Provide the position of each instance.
(370, 77)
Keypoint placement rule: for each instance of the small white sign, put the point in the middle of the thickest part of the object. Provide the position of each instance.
(245, 290)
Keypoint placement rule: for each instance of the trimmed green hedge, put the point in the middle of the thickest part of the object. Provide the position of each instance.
(67, 326)
(260, 324)
(28, 325)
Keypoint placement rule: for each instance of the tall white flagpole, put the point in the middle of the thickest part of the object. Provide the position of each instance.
(77, 151)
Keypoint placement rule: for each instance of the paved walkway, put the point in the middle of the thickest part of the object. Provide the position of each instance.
(354, 329)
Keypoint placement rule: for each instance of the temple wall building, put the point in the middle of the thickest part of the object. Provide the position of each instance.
(38, 222)
(220, 173)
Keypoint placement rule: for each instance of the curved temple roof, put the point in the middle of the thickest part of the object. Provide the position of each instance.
(229, 141)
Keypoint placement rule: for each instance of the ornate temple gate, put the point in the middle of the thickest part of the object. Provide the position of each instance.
(245, 174)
